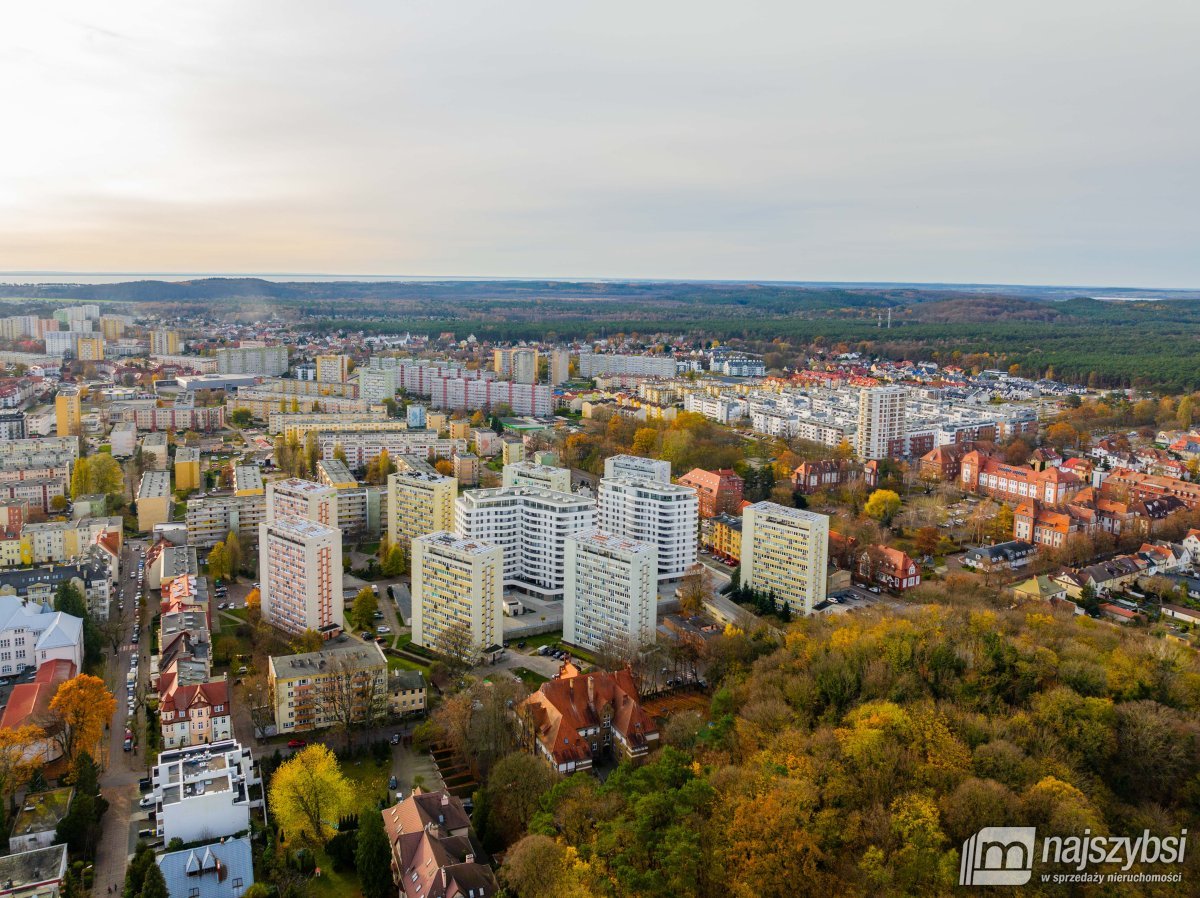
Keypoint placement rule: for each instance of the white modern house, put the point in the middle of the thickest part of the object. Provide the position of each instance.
(32, 634)
(203, 792)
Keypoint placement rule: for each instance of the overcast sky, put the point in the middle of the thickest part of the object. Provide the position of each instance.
(1052, 141)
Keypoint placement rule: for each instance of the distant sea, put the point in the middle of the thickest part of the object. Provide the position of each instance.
(84, 277)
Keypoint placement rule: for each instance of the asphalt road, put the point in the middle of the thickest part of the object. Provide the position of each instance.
(122, 769)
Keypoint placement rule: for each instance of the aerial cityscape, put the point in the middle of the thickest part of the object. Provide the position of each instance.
(456, 451)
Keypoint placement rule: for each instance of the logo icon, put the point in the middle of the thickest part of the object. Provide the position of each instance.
(998, 856)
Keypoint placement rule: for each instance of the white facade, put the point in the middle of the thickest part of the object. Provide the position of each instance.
(880, 421)
(611, 591)
(123, 439)
(302, 499)
(203, 792)
(300, 571)
(31, 635)
(593, 363)
(785, 551)
(560, 366)
(377, 384)
(531, 526)
(265, 360)
(664, 515)
(528, 473)
(636, 466)
(457, 582)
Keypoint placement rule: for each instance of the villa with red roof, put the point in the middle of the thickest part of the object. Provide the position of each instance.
(577, 718)
(720, 492)
(195, 714)
(435, 853)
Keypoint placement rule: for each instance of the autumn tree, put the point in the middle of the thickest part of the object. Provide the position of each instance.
(218, 562)
(309, 793)
(882, 506)
(1000, 528)
(19, 756)
(1062, 436)
(233, 555)
(455, 645)
(513, 793)
(395, 562)
(695, 589)
(644, 441)
(78, 713)
(308, 641)
(444, 466)
(364, 607)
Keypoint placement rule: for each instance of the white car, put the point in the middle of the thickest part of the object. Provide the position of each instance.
(146, 802)
(383, 629)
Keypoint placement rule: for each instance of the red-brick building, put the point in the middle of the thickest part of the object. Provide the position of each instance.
(720, 491)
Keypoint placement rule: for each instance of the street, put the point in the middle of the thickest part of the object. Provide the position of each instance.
(122, 770)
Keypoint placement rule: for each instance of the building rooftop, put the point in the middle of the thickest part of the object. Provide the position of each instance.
(247, 477)
(289, 525)
(154, 485)
(444, 539)
(308, 663)
(297, 486)
(220, 870)
(782, 511)
(41, 811)
(612, 542)
(155, 439)
(554, 497)
(19, 872)
(187, 454)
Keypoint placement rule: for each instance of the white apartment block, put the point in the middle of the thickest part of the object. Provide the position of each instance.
(211, 519)
(300, 572)
(636, 466)
(22, 450)
(593, 363)
(122, 439)
(722, 409)
(269, 361)
(664, 515)
(419, 502)
(528, 473)
(531, 526)
(461, 394)
(302, 499)
(377, 384)
(880, 421)
(457, 582)
(560, 366)
(785, 551)
(611, 591)
(203, 792)
(363, 447)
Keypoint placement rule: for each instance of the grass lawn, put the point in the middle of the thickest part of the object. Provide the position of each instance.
(530, 678)
(331, 884)
(395, 663)
(369, 778)
(532, 642)
(239, 613)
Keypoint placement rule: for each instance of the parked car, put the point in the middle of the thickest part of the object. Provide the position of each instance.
(147, 801)
(383, 629)
(378, 615)
(145, 834)
(128, 745)
(392, 782)
(395, 741)
(296, 743)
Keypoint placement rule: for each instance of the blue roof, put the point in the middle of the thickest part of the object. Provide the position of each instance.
(220, 870)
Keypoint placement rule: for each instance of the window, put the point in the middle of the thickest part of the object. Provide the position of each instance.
(237, 882)
(194, 892)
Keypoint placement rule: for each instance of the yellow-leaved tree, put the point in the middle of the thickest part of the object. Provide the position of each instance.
(309, 793)
(78, 712)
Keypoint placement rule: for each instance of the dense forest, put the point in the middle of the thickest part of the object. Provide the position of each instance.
(1149, 343)
(853, 755)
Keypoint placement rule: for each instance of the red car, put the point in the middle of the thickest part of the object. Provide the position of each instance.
(297, 743)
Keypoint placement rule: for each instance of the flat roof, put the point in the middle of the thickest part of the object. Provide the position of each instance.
(444, 539)
(154, 484)
(41, 811)
(308, 663)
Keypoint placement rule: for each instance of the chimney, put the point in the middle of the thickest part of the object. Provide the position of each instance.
(469, 859)
(445, 878)
(445, 798)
